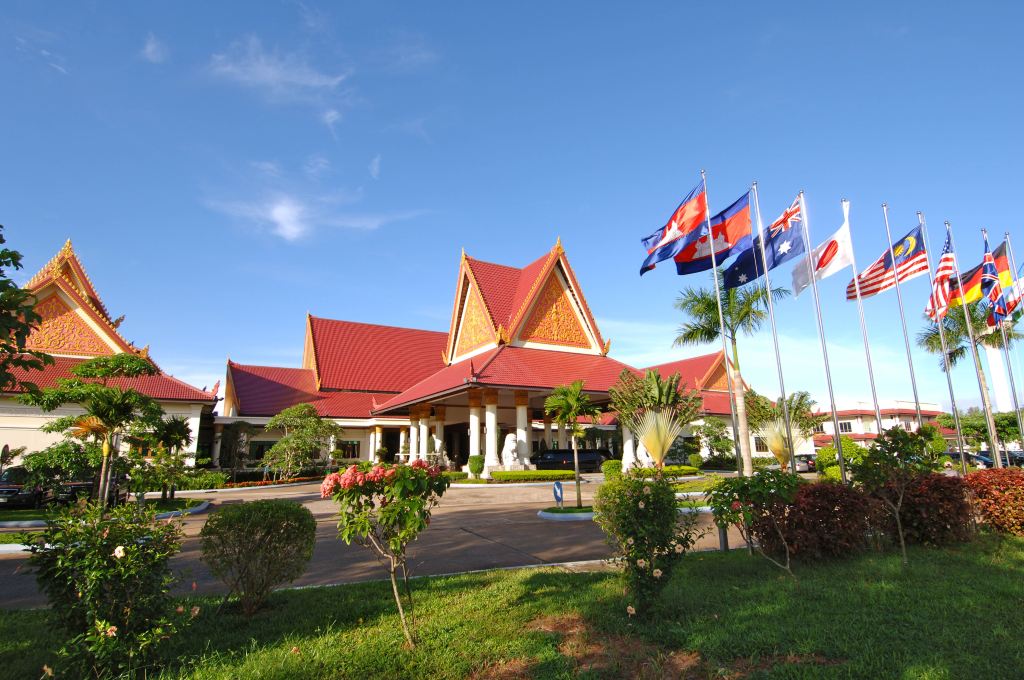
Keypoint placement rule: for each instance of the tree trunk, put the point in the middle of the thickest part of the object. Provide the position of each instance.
(103, 472)
(986, 403)
(576, 465)
(401, 610)
(741, 411)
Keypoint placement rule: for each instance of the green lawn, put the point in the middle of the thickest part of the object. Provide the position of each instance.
(954, 613)
(22, 515)
(11, 536)
(696, 484)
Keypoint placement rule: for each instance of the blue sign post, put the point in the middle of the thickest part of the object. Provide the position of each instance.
(557, 489)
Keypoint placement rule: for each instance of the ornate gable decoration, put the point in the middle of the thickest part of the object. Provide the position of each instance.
(63, 331)
(554, 320)
(474, 329)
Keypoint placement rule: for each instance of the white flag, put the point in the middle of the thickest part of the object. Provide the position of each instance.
(832, 256)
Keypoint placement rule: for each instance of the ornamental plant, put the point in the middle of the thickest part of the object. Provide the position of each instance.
(384, 508)
(255, 546)
(999, 494)
(647, 532)
(107, 579)
(757, 506)
(476, 466)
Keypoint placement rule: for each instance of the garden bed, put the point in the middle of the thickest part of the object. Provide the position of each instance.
(722, 615)
(523, 476)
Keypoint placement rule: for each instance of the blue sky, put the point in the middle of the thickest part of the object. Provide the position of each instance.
(223, 169)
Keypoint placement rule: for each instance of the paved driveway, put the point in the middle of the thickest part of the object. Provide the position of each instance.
(473, 528)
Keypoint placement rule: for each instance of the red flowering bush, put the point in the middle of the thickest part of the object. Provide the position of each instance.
(936, 511)
(825, 520)
(384, 508)
(269, 482)
(1000, 498)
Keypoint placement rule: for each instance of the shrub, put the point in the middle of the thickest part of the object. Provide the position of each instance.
(384, 508)
(646, 531)
(669, 471)
(696, 460)
(757, 506)
(456, 475)
(195, 480)
(532, 475)
(272, 482)
(1000, 498)
(107, 580)
(612, 469)
(936, 510)
(719, 461)
(825, 520)
(761, 462)
(256, 546)
(476, 465)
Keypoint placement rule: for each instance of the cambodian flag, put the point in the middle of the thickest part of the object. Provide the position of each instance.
(730, 234)
(686, 225)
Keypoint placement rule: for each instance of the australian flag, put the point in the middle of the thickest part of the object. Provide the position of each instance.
(686, 225)
(782, 242)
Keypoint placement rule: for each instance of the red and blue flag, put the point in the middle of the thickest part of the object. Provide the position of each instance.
(686, 225)
(729, 235)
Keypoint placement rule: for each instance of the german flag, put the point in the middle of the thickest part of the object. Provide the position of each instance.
(971, 279)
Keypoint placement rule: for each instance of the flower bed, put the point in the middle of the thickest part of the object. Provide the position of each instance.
(272, 482)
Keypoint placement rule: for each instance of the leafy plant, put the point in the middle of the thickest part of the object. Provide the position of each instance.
(887, 470)
(1000, 498)
(713, 436)
(776, 438)
(825, 520)
(936, 511)
(384, 508)
(648, 534)
(696, 460)
(657, 430)
(719, 461)
(18, 318)
(801, 407)
(255, 546)
(169, 436)
(305, 435)
(827, 460)
(612, 469)
(568, 404)
(476, 466)
(64, 461)
(757, 506)
(107, 580)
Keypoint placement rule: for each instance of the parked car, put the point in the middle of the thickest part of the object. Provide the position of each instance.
(561, 459)
(17, 490)
(71, 490)
(806, 462)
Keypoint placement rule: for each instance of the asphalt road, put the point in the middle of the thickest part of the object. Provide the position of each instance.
(473, 528)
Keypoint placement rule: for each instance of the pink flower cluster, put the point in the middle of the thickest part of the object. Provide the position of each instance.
(432, 470)
(354, 477)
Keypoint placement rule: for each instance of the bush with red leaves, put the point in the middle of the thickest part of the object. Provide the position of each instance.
(1000, 498)
(825, 520)
(936, 511)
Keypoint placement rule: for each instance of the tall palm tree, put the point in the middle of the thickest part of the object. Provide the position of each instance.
(744, 311)
(172, 435)
(569, 403)
(958, 344)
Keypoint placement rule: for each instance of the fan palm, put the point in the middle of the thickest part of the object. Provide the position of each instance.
(958, 346)
(569, 403)
(744, 311)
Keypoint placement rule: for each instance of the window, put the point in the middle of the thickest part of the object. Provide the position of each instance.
(819, 428)
(845, 427)
(258, 449)
(907, 426)
(346, 449)
(760, 445)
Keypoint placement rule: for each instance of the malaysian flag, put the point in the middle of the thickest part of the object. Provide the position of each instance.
(910, 260)
(938, 302)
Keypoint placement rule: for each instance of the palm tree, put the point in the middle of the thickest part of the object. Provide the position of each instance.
(569, 403)
(172, 435)
(744, 310)
(958, 344)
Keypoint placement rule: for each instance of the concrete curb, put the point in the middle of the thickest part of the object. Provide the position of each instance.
(566, 516)
(22, 523)
(12, 548)
(497, 485)
(202, 507)
(243, 488)
(690, 494)
(699, 510)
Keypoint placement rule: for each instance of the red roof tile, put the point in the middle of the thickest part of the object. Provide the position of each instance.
(161, 387)
(367, 357)
(691, 371)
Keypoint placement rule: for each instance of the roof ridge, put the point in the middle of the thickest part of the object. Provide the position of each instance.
(286, 368)
(375, 325)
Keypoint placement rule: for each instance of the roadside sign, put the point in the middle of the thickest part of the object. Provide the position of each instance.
(557, 489)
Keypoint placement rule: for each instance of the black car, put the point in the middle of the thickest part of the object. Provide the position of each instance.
(72, 490)
(561, 459)
(17, 490)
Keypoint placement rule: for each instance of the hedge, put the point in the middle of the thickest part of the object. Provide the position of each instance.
(999, 493)
(670, 471)
(456, 475)
(532, 475)
(272, 482)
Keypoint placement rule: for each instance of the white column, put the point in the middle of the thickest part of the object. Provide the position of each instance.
(491, 460)
(474, 423)
(628, 449)
(371, 445)
(522, 427)
(424, 433)
(414, 434)
(218, 433)
(439, 412)
(403, 436)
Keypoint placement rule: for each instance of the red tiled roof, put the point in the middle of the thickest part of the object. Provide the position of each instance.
(848, 413)
(367, 357)
(691, 371)
(517, 367)
(826, 439)
(499, 285)
(263, 391)
(162, 387)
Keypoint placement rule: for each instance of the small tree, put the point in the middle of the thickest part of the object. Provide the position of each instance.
(305, 435)
(384, 508)
(66, 460)
(7, 455)
(569, 403)
(776, 439)
(18, 318)
(233, 439)
(713, 436)
(889, 467)
(657, 431)
(169, 436)
(936, 445)
(111, 411)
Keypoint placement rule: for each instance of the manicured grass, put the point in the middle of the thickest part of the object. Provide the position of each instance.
(8, 537)
(568, 509)
(44, 513)
(953, 613)
(22, 515)
(695, 484)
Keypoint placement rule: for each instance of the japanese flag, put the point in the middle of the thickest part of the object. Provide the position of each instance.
(832, 256)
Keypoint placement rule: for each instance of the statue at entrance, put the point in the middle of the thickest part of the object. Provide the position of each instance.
(508, 452)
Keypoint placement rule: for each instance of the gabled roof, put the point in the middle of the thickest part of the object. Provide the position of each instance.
(162, 387)
(263, 391)
(65, 264)
(366, 357)
(693, 372)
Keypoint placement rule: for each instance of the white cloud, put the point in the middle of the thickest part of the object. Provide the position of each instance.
(154, 50)
(330, 118)
(375, 167)
(269, 168)
(316, 165)
(57, 67)
(407, 52)
(280, 76)
(286, 216)
(371, 221)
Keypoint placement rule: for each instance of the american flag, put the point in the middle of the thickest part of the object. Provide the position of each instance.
(911, 261)
(938, 302)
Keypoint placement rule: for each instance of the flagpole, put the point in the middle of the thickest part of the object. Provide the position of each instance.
(990, 424)
(1006, 355)
(775, 335)
(821, 336)
(945, 353)
(903, 318)
(864, 333)
(721, 328)
(1016, 289)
